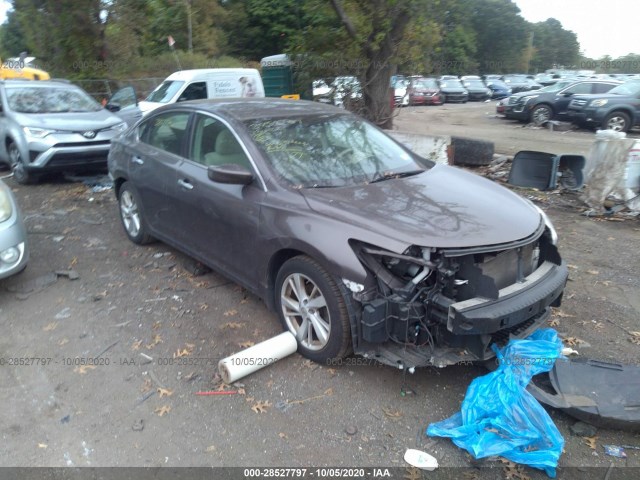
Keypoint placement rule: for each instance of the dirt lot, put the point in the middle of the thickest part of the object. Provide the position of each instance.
(129, 301)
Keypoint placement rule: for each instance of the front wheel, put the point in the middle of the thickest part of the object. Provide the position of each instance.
(541, 114)
(20, 172)
(131, 215)
(617, 121)
(312, 306)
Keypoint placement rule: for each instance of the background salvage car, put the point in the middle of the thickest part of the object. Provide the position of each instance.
(356, 242)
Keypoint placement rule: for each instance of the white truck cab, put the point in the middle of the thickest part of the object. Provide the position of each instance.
(204, 83)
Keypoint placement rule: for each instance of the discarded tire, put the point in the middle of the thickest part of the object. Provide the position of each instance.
(468, 151)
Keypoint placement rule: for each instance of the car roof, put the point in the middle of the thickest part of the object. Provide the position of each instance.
(36, 83)
(243, 109)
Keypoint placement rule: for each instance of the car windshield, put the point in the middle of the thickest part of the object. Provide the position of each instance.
(430, 84)
(629, 88)
(330, 151)
(50, 100)
(165, 91)
(451, 84)
(474, 83)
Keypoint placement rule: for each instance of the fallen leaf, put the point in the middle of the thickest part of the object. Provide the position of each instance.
(51, 326)
(230, 313)
(328, 392)
(283, 435)
(635, 334)
(203, 306)
(572, 267)
(593, 272)
(154, 341)
(146, 386)
(635, 340)
(413, 473)
(233, 325)
(180, 353)
(559, 313)
(164, 392)
(82, 369)
(392, 413)
(210, 448)
(156, 325)
(573, 341)
(136, 345)
(42, 445)
(246, 344)
(260, 407)
(332, 371)
(590, 442)
(554, 322)
(74, 262)
(249, 399)
(63, 341)
(161, 411)
(241, 391)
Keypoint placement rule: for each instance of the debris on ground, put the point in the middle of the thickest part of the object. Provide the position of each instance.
(582, 429)
(500, 417)
(614, 451)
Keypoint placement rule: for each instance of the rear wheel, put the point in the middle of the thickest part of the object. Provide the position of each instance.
(131, 215)
(617, 121)
(20, 172)
(312, 306)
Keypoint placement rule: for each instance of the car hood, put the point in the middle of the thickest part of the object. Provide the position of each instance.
(146, 107)
(80, 121)
(453, 89)
(442, 207)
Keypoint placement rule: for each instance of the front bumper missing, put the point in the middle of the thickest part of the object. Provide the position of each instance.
(514, 305)
(460, 332)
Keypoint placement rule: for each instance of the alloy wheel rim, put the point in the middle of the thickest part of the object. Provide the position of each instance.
(616, 124)
(540, 116)
(129, 213)
(305, 311)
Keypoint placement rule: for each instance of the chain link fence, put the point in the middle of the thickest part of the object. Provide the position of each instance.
(104, 88)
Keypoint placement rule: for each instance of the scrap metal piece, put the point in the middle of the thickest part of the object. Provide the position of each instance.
(601, 393)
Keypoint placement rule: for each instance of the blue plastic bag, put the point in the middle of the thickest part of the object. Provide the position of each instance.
(500, 417)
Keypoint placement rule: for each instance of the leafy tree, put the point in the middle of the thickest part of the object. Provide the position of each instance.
(12, 41)
(501, 35)
(554, 46)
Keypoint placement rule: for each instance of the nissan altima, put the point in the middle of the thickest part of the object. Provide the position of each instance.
(357, 243)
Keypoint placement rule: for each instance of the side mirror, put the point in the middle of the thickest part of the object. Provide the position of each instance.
(112, 107)
(230, 173)
(567, 94)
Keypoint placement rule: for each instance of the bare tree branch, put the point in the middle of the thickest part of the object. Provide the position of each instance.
(346, 21)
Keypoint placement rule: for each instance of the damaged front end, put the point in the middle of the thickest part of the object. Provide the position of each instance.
(432, 306)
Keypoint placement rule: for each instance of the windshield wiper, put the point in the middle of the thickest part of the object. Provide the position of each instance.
(389, 175)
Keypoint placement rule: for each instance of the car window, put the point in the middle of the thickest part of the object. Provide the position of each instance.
(215, 144)
(166, 131)
(124, 98)
(52, 99)
(165, 91)
(329, 151)
(602, 87)
(579, 89)
(194, 91)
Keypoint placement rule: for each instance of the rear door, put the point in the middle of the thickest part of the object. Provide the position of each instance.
(153, 168)
(564, 97)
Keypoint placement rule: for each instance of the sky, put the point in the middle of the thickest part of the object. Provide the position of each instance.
(604, 27)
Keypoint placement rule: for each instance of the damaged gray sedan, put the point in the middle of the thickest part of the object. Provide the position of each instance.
(357, 243)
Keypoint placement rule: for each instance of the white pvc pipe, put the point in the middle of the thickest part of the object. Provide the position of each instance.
(254, 358)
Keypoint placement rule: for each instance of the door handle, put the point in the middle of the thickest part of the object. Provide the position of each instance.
(137, 160)
(185, 184)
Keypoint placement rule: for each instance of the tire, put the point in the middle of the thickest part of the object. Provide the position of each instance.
(20, 173)
(131, 215)
(617, 121)
(321, 324)
(541, 114)
(468, 151)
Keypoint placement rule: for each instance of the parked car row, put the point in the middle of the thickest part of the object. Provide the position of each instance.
(595, 103)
